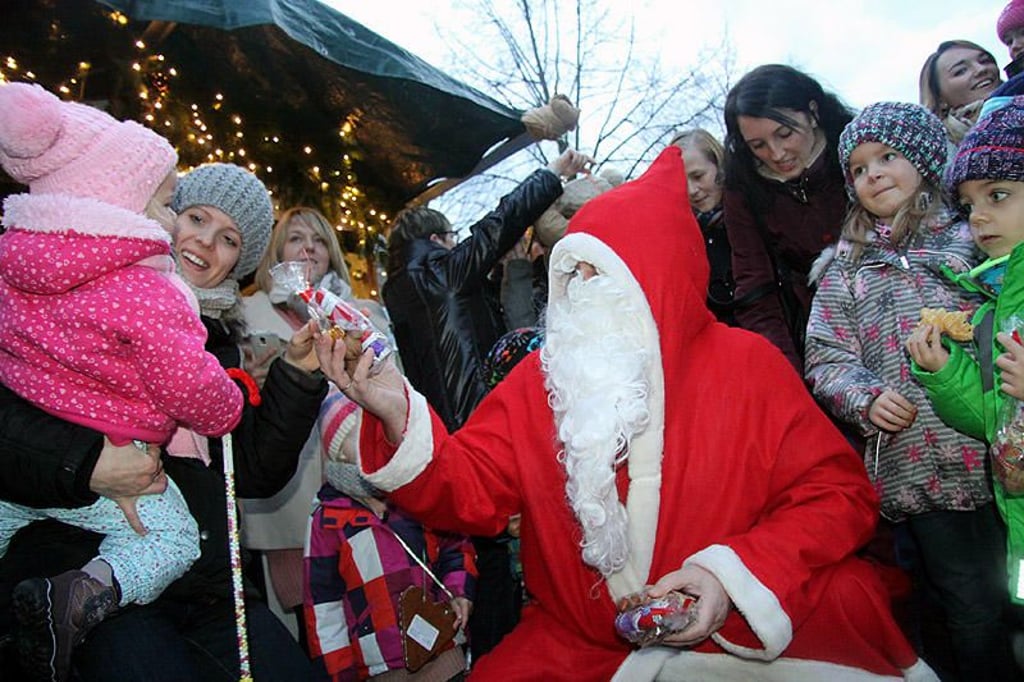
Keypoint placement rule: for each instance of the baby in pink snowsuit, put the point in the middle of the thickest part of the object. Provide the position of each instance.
(98, 329)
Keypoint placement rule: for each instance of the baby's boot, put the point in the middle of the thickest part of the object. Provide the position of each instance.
(54, 615)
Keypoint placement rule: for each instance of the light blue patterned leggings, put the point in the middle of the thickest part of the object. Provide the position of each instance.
(144, 565)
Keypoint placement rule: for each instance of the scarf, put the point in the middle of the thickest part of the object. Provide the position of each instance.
(707, 219)
(215, 302)
(346, 478)
(958, 121)
(991, 273)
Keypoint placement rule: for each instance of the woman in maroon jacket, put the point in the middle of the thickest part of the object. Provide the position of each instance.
(784, 197)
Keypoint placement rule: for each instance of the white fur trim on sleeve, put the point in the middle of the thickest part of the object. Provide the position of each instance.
(414, 452)
(758, 605)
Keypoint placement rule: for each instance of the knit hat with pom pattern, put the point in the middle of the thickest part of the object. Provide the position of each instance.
(910, 129)
(58, 147)
(992, 150)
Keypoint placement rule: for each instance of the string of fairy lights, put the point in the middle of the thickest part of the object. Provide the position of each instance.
(212, 131)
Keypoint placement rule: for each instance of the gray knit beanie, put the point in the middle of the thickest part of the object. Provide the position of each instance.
(345, 477)
(910, 129)
(242, 196)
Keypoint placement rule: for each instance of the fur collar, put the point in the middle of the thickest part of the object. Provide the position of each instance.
(61, 213)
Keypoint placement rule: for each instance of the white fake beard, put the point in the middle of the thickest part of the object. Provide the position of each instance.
(597, 387)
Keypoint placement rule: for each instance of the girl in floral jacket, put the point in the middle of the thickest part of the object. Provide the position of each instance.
(888, 265)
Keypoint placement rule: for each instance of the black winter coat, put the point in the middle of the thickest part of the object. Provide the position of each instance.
(721, 288)
(439, 304)
(47, 462)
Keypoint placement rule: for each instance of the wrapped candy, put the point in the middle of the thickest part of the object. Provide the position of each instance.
(1007, 449)
(644, 620)
(333, 315)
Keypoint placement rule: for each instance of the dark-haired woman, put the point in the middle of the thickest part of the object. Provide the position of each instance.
(784, 196)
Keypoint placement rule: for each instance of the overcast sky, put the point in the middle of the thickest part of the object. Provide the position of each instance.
(866, 51)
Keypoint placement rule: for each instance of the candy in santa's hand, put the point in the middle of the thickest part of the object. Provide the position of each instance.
(644, 620)
(332, 314)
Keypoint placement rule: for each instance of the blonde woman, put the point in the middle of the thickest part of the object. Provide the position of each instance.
(704, 158)
(954, 82)
(277, 525)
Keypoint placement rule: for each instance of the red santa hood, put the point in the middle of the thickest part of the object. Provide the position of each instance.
(644, 234)
(646, 229)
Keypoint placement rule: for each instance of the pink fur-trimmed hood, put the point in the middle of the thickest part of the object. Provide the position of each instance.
(56, 242)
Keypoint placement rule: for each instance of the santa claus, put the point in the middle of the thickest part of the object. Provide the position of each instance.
(648, 445)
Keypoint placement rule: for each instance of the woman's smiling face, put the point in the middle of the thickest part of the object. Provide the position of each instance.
(965, 75)
(702, 181)
(208, 244)
(304, 243)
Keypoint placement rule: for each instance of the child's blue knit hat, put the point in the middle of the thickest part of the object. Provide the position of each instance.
(992, 150)
(910, 129)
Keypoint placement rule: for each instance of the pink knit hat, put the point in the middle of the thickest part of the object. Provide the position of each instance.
(1010, 18)
(58, 147)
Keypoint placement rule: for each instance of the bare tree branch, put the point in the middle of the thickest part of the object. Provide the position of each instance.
(524, 51)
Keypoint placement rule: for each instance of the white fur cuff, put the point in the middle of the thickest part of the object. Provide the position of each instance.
(758, 605)
(415, 451)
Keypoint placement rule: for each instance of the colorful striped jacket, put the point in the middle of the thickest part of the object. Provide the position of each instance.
(355, 572)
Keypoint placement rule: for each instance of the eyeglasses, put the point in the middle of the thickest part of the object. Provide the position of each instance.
(454, 234)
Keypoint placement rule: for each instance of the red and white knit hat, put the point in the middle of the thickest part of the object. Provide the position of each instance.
(58, 147)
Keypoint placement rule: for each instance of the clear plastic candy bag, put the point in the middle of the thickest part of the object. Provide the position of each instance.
(1007, 449)
(332, 314)
(644, 620)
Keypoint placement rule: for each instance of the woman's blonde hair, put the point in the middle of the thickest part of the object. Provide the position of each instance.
(925, 206)
(313, 219)
(698, 138)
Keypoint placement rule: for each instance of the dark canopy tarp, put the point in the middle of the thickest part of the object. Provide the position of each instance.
(292, 65)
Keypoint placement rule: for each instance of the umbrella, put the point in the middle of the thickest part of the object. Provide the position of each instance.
(324, 110)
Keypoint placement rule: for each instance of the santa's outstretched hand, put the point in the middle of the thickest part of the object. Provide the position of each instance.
(380, 392)
(712, 603)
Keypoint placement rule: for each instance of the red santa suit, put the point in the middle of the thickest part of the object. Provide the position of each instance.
(737, 471)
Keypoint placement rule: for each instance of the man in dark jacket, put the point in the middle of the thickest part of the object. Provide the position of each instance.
(436, 290)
